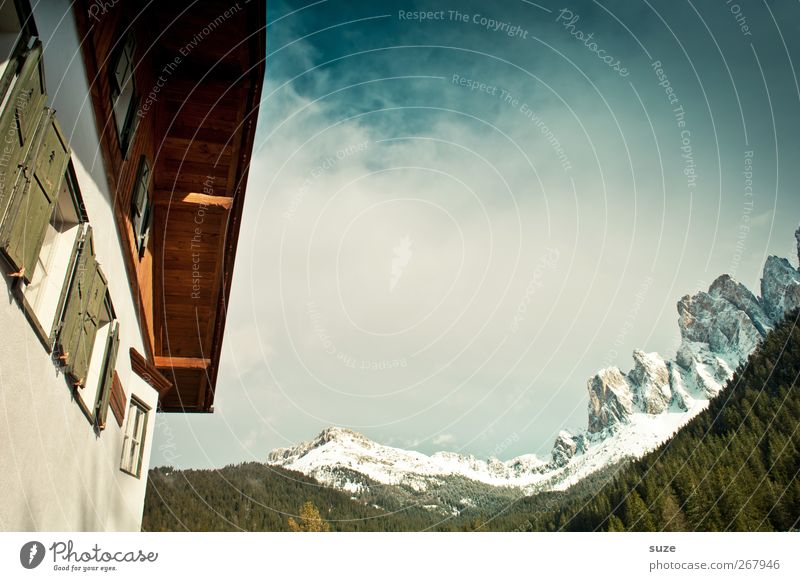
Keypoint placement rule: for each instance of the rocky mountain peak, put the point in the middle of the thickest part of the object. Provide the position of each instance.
(651, 383)
(336, 433)
(797, 238)
(719, 329)
(564, 449)
(610, 400)
(727, 288)
(728, 318)
(780, 287)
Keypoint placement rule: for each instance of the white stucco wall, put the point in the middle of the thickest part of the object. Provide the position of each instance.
(55, 472)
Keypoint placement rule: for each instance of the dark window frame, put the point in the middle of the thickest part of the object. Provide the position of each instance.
(141, 208)
(125, 133)
(27, 37)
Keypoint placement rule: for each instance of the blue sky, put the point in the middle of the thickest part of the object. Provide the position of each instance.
(451, 223)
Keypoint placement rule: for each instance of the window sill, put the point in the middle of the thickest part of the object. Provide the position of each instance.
(46, 339)
(129, 473)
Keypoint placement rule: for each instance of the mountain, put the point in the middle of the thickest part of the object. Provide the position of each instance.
(734, 467)
(630, 413)
(335, 449)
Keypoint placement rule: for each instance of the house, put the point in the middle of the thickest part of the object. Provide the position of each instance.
(127, 130)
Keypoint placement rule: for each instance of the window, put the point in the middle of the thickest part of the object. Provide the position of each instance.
(133, 444)
(88, 336)
(43, 296)
(141, 206)
(124, 97)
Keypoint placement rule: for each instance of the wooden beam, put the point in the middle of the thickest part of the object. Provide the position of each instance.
(181, 362)
(186, 410)
(233, 168)
(149, 373)
(159, 272)
(196, 199)
(201, 393)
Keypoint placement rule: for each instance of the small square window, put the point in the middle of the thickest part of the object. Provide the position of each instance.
(133, 444)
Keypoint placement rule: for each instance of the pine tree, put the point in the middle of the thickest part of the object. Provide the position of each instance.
(615, 525)
(637, 517)
(310, 520)
(671, 517)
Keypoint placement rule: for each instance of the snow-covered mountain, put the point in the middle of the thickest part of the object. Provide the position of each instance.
(630, 413)
(339, 448)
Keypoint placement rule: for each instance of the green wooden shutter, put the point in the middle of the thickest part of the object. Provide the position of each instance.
(107, 378)
(19, 121)
(25, 225)
(91, 323)
(82, 313)
(65, 285)
(69, 336)
(50, 163)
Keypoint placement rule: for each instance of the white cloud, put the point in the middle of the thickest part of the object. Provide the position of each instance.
(443, 440)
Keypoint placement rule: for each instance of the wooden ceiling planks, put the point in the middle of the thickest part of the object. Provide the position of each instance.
(201, 131)
(210, 113)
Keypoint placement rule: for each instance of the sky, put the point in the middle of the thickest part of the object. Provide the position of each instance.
(458, 212)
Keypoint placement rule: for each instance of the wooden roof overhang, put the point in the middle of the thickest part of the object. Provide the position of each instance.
(207, 60)
(208, 126)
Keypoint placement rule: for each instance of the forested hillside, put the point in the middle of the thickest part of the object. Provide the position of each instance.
(256, 497)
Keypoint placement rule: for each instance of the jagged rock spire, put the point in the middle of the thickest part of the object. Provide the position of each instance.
(719, 329)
